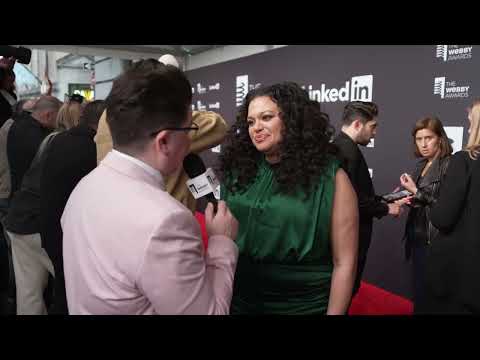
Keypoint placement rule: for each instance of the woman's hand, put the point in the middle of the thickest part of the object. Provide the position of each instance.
(405, 201)
(408, 183)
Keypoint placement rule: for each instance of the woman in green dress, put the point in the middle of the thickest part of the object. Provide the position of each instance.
(296, 208)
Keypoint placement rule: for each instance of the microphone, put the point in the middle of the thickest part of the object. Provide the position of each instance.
(203, 182)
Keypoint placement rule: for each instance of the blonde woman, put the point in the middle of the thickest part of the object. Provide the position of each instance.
(69, 115)
(453, 266)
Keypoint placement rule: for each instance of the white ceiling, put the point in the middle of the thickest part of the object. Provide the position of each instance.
(128, 51)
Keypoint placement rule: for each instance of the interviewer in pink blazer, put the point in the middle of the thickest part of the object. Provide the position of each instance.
(128, 246)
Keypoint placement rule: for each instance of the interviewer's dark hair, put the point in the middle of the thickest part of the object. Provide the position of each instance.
(304, 152)
(144, 99)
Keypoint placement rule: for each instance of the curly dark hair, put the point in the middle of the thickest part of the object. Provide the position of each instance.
(305, 151)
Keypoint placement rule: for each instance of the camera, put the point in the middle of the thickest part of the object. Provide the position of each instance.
(391, 197)
(21, 54)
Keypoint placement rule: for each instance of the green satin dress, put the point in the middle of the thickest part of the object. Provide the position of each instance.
(285, 263)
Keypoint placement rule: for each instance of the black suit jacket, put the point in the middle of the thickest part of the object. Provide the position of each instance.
(24, 138)
(369, 204)
(453, 264)
(72, 155)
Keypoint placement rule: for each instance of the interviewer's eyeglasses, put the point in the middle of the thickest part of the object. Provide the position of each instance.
(194, 127)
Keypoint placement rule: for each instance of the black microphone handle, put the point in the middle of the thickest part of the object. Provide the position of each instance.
(211, 198)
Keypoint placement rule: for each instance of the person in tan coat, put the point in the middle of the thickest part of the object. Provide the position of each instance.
(212, 130)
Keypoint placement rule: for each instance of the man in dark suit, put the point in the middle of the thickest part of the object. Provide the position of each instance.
(26, 135)
(359, 127)
(7, 281)
(71, 156)
(31, 264)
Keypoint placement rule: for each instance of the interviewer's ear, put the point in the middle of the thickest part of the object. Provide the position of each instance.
(162, 142)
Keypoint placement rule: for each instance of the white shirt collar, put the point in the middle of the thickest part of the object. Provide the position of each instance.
(154, 172)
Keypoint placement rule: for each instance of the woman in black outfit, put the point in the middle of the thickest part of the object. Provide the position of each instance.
(72, 155)
(453, 272)
(434, 149)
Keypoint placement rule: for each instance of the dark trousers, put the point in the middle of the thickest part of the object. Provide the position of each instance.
(435, 305)
(419, 253)
(4, 262)
(59, 301)
(362, 260)
(7, 278)
(4, 274)
(59, 305)
(363, 246)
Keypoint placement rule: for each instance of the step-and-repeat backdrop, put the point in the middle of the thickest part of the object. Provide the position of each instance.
(406, 82)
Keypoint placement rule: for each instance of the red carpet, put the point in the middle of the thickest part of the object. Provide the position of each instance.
(370, 300)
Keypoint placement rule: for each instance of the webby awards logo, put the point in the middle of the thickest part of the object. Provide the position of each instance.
(454, 52)
(242, 87)
(449, 89)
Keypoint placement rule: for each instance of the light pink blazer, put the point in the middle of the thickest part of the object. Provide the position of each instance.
(131, 248)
